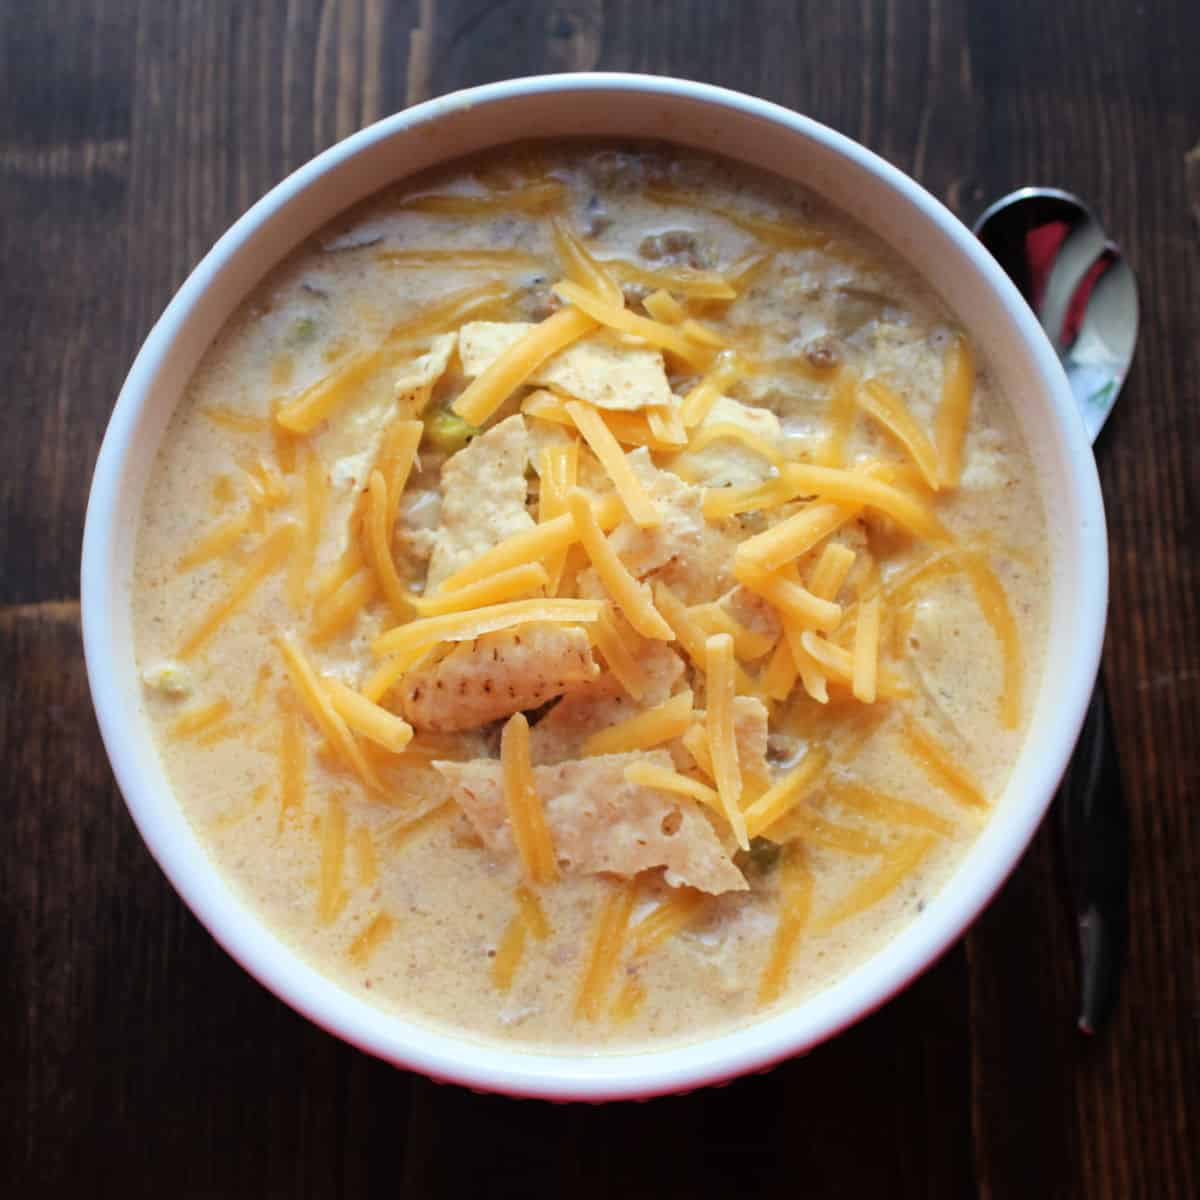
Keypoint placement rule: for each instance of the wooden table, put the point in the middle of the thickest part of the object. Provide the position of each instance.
(135, 1058)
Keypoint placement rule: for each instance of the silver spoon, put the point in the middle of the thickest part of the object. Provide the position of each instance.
(1085, 296)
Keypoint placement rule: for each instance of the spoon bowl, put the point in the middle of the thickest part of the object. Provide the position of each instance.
(1075, 279)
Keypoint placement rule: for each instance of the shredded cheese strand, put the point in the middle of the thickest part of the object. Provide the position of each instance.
(697, 404)
(378, 547)
(783, 795)
(489, 390)
(662, 306)
(722, 738)
(796, 604)
(607, 943)
(954, 412)
(582, 268)
(559, 474)
(621, 660)
(748, 644)
(509, 953)
(532, 545)
(795, 903)
(935, 760)
(896, 867)
(377, 931)
(331, 896)
(525, 811)
(792, 537)
(647, 729)
(866, 651)
(631, 597)
(308, 687)
(830, 571)
(993, 603)
(612, 458)
(666, 337)
(878, 400)
(861, 490)
(683, 907)
(196, 720)
(367, 718)
(291, 763)
(269, 557)
(699, 285)
(664, 779)
(467, 626)
(532, 913)
(514, 584)
(335, 615)
(890, 810)
(840, 419)
(778, 680)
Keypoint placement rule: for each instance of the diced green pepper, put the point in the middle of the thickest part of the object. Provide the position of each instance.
(446, 432)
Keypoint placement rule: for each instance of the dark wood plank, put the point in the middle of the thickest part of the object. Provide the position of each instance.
(131, 134)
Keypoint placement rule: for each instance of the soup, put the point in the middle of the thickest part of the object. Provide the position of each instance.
(590, 597)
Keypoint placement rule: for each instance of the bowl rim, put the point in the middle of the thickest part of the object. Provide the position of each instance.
(450, 1057)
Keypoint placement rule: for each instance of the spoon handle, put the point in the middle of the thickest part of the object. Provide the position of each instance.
(1094, 846)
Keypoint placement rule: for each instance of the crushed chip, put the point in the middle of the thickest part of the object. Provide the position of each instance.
(600, 368)
(483, 498)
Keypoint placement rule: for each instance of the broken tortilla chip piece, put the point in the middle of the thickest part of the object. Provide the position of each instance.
(496, 675)
(600, 822)
(483, 498)
(600, 368)
(426, 369)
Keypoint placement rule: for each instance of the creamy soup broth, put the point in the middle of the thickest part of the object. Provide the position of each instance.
(395, 894)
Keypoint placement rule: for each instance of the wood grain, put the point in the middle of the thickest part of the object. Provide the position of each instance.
(137, 1059)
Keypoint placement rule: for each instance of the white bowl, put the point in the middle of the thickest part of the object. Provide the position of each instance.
(852, 178)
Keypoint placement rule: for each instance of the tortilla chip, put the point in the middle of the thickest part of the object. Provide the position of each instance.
(426, 369)
(495, 676)
(483, 498)
(600, 822)
(600, 368)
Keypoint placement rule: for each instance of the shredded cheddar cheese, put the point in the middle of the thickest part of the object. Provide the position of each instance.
(582, 268)
(866, 651)
(312, 695)
(467, 626)
(662, 306)
(587, 305)
(797, 606)
(783, 796)
(722, 739)
(612, 458)
(525, 811)
(336, 614)
(622, 659)
(698, 403)
(993, 603)
(631, 597)
(377, 931)
(367, 718)
(649, 728)
(861, 490)
(533, 545)
(954, 412)
(331, 895)
(898, 865)
(196, 720)
(695, 284)
(890, 809)
(291, 763)
(269, 557)
(513, 584)
(559, 474)
(748, 644)
(487, 391)
(795, 902)
(685, 906)
(935, 760)
(629, 1000)
(378, 546)
(792, 537)
(509, 953)
(879, 401)
(607, 943)
(650, 775)
(532, 913)
(832, 451)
